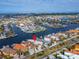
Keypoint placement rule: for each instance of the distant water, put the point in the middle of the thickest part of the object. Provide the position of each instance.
(25, 36)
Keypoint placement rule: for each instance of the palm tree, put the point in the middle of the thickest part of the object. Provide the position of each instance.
(59, 57)
(55, 55)
(62, 52)
(8, 57)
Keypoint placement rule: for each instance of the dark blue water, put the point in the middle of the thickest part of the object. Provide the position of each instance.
(25, 36)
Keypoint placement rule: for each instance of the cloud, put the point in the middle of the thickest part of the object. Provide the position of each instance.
(12, 2)
(7, 4)
(39, 5)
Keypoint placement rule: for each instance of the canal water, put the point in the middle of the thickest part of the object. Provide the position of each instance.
(22, 36)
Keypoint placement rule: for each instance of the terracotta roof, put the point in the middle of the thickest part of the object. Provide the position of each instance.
(75, 52)
(27, 44)
(19, 47)
(73, 31)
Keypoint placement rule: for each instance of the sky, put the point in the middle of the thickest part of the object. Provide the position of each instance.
(39, 6)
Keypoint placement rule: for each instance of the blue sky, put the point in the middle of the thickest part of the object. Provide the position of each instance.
(38, 6)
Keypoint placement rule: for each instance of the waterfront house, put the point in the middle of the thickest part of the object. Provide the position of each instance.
(20, 47)
(73, 32)
(8, 51)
